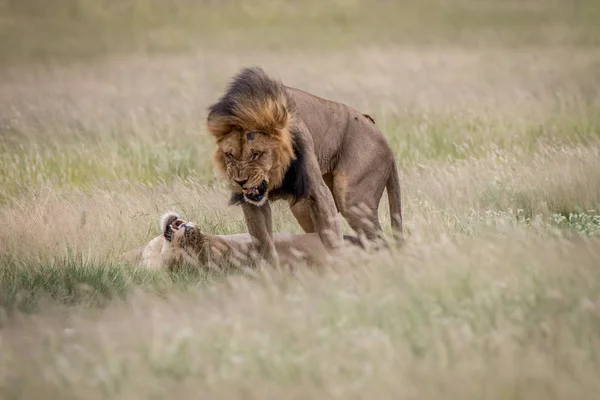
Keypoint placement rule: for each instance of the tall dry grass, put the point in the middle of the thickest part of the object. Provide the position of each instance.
(515, 315)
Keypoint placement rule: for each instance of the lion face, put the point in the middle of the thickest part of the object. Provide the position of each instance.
(178, 232)
(183, 244)
(253, 123)
(187, 245)
(186, 235)
(252, 164)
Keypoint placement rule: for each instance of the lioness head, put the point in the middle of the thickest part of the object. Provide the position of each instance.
(169, 223)
(180, 233)
(252, 129)
(184, 242)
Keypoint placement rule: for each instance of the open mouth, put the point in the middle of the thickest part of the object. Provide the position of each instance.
(172, 227)
(177, 223)
(255, 193)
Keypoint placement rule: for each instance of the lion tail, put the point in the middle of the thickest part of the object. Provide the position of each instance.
(395, 203)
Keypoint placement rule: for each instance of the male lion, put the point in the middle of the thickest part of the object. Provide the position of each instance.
(277, 142)
(183, 243)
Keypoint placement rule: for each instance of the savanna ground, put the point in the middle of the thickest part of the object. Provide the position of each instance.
(491, 107)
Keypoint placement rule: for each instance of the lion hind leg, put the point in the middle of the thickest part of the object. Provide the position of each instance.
(359, 205)
(301, 211)
(364, 220)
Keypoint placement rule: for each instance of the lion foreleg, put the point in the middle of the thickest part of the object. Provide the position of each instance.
(323, 210)
(260, 227)
(325, 216)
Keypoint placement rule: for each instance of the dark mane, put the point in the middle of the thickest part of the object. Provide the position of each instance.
(236, 199)
(250, 85)
(295, 183)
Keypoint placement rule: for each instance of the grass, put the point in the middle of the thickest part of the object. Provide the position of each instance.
(151, 159)
(489, 107)
(522, 319)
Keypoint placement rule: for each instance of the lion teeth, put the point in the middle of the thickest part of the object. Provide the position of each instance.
(253, 190)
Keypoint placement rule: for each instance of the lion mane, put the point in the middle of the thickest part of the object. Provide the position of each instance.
(255, 102)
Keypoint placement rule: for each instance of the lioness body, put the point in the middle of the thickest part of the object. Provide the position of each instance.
(277, 142)
(186, 244)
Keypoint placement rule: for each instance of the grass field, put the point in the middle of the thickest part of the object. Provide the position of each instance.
(490, 107)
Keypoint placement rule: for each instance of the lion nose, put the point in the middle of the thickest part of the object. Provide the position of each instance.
(241, 183)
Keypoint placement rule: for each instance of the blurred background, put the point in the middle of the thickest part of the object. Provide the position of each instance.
(62, 30)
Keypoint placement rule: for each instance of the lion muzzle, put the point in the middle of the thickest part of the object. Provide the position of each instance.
(255, 193)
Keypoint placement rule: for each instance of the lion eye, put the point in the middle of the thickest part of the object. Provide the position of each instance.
(255, 156)
(229, 155)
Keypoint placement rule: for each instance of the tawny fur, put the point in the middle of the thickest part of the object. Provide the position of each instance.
(177, 247)
(303, 139)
